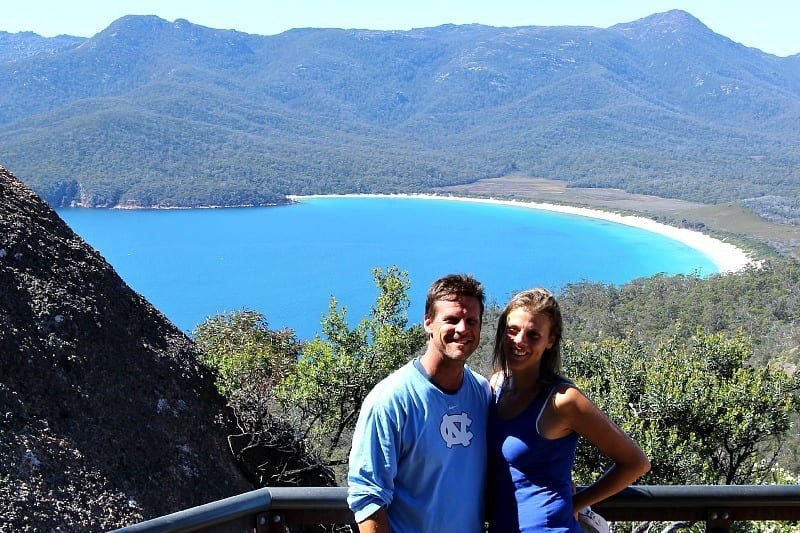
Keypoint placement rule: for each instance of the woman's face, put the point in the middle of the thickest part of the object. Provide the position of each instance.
(527, 336)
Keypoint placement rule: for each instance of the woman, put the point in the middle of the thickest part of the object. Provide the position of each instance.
(535, 422)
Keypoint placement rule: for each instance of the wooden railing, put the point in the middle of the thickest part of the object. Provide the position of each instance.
(277, 508)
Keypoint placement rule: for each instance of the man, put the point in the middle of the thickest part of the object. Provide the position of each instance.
(419, 447)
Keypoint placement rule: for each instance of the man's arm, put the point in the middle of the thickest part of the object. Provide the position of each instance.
(377, 522)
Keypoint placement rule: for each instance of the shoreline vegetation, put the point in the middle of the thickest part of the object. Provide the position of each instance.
(726, 256)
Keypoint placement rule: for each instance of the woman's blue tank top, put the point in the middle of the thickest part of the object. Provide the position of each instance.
(530, 477)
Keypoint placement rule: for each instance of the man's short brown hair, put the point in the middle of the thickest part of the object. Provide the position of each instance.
(454, 285)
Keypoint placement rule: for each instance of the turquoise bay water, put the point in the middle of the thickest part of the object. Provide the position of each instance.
(287, 261)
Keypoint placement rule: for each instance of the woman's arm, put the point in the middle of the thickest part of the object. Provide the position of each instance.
(577, 413)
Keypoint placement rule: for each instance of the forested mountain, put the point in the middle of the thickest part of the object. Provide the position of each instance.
(16, 46)
(150, 112)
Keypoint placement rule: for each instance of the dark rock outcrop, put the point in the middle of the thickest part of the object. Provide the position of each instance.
(106, 417)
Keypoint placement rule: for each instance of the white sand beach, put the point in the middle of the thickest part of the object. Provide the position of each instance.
(726, 256)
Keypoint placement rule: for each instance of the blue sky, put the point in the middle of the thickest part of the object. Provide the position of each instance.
(769, 25)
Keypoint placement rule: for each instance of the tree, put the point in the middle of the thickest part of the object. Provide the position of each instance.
(294, 401)
(249, 360)
(333, 375)
(239, 347)
(701, 413)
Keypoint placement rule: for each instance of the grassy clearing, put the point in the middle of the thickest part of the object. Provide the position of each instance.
(729, 221)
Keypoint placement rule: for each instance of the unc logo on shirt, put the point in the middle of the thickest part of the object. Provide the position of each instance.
(455, 429)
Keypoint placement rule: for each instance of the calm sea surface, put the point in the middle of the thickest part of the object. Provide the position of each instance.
(287, 261)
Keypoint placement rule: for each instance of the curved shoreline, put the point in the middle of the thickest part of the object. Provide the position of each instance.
(726, 256)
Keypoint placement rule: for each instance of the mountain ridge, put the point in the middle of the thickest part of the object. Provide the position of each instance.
(662, 106)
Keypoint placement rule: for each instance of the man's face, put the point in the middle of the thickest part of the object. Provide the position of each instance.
(454, 328)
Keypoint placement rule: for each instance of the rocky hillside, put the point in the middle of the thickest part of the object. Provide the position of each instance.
(105, 416)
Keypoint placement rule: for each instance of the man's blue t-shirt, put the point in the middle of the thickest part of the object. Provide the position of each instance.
(421, 452)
